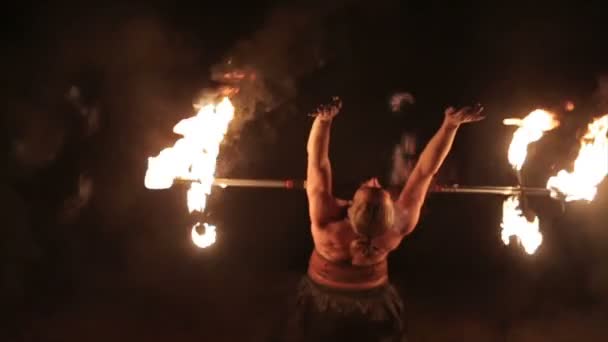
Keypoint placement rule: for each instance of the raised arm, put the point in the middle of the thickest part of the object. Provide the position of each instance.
(322, 204)
(412, 196)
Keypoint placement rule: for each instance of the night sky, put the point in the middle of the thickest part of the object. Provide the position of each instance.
(87, 253)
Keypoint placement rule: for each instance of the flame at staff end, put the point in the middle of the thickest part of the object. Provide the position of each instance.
(531, 129)
(590, 167)
(194, 156)
(514, 223)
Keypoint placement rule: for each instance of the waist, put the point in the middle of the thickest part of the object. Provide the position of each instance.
(345, 275)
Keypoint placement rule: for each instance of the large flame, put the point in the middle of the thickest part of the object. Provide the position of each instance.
(590, 167)
(514, 223)
(531, 129)
(194, 157)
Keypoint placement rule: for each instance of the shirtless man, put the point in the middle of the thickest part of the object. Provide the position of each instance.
(346, 295)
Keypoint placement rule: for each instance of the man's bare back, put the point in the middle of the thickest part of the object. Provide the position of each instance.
(338, 243)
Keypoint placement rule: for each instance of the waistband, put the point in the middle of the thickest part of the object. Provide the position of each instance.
(345, 275)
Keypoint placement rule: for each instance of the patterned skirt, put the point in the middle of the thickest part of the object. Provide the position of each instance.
(328, 314)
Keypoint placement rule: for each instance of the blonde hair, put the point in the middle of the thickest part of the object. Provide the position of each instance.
(371, 213)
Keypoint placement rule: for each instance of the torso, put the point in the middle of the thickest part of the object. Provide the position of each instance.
(342, 262)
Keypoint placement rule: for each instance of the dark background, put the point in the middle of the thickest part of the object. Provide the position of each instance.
(87, 253)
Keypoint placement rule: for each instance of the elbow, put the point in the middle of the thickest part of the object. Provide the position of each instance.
(309, 148)
(318, 163)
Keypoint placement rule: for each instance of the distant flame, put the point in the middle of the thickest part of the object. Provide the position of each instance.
(194, 157)
(531, 129)
(569, 106)
(514, 223)
(590, 167)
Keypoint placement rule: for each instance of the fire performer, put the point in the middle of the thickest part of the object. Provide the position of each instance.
(346, 294)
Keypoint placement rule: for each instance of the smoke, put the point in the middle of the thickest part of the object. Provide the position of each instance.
(89, 114)
(264, 69)
(400, 99)
(41, 137)
(52, 137)
(78, 200)
(600, 95)
(404, 159)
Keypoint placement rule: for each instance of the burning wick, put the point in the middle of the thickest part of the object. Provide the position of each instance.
(207, 238)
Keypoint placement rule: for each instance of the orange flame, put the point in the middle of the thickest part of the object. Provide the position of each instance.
(194, 157)
(590, 167)
(514, 223)
(531, 129)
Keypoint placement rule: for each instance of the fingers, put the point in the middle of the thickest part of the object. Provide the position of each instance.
(474, 118)
(477, 114)
(319, 112)
(331, 109)
(328, 111)
(465, 114)
(475, 110)
(465, 110)
(325, 112)
(336, 104)
(376, 182)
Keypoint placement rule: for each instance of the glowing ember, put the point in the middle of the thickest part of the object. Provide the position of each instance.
(569, 106)
(531, 129)
(194, 157)
(590, 167)
(207, 238)
(514, 223)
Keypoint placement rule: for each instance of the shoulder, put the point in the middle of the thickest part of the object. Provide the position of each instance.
(338, 228)
(325, 208)
(332, 240)
(336, 233)
(406, 219)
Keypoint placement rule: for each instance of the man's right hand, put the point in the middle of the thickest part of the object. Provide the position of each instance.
(457, 117)
(329, 111)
